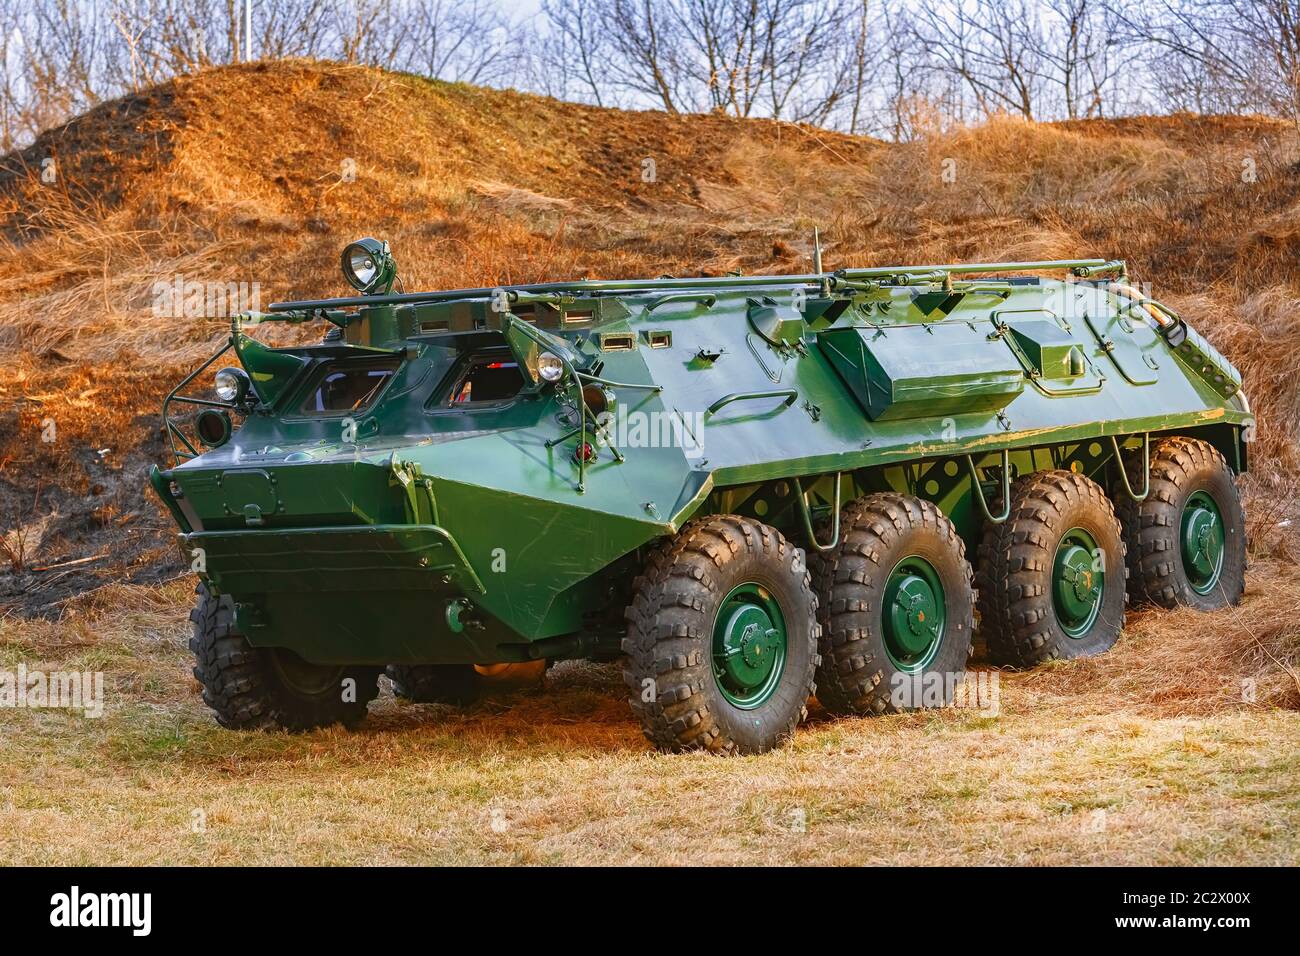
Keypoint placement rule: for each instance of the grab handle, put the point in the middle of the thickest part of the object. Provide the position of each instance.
(706, 299)
(1146, 467)
(1006, 489)
(789, 394)
(806, 514)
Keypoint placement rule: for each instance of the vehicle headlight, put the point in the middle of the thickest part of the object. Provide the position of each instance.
(550, 366)
(368, 266)
(213, 427)
(232, 384)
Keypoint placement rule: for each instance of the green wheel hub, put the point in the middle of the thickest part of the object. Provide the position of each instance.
(1201, 540)
(1077, 584)
(749, 646)
(914, 614)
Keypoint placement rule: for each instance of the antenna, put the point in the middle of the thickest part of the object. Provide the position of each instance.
(817, 261)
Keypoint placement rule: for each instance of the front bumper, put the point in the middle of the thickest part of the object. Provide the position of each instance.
(374, 558)
(371, 594)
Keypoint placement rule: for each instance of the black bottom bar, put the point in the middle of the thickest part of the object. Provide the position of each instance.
(1144, 906)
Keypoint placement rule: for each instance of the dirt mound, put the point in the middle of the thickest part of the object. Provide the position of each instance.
(251, 178)
(258, 174)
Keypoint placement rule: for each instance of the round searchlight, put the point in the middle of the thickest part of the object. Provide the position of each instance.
(368, 266)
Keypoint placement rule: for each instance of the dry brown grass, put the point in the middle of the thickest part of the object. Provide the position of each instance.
(1149, 754)
(478, 186)
(1184, 662)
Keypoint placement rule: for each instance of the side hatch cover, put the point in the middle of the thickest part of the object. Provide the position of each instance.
(1131, 345)
(916, 371)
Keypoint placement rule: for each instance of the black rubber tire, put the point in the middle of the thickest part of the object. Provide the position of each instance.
(669, 642)
(1017, 617)
(877, 531)
(456, 684)
(1181, 466)
(244, 686)
(231, 671)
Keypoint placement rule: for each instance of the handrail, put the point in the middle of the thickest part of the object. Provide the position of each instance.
(706, 299)
(652, 285)
(806, 514)
(571, 378)
(789, 394)
(597, 380)
(1006, 489)
(1161, 314)
(1146, 467)
(962, 268)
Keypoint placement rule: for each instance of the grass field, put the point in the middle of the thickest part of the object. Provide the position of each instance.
(1150, 754)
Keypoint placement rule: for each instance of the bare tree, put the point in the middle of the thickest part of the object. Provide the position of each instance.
(906, 80)
(1227, 54)
(574, 44)
(743, 57)
(643, 41)
(284, 28)
(800, 42)
(857, 63)
(989, 47)
(1077, 48)
(466, 40)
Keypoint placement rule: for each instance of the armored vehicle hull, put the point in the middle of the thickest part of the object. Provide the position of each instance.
(751, 489)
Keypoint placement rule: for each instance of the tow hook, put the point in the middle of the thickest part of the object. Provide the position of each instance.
(459, 616)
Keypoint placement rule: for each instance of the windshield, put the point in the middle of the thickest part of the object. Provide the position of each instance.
(487, 377)
(348, 386)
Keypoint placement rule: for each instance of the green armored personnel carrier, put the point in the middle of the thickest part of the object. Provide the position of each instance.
(753, 490)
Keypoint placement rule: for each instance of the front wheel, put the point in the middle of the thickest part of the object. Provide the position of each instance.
(251, 687)
(722, 639)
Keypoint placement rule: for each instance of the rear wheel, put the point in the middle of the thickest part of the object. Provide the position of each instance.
(722, 639)
(249, 687)
(1187, 539)
(896, 608)
(1051, 577)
